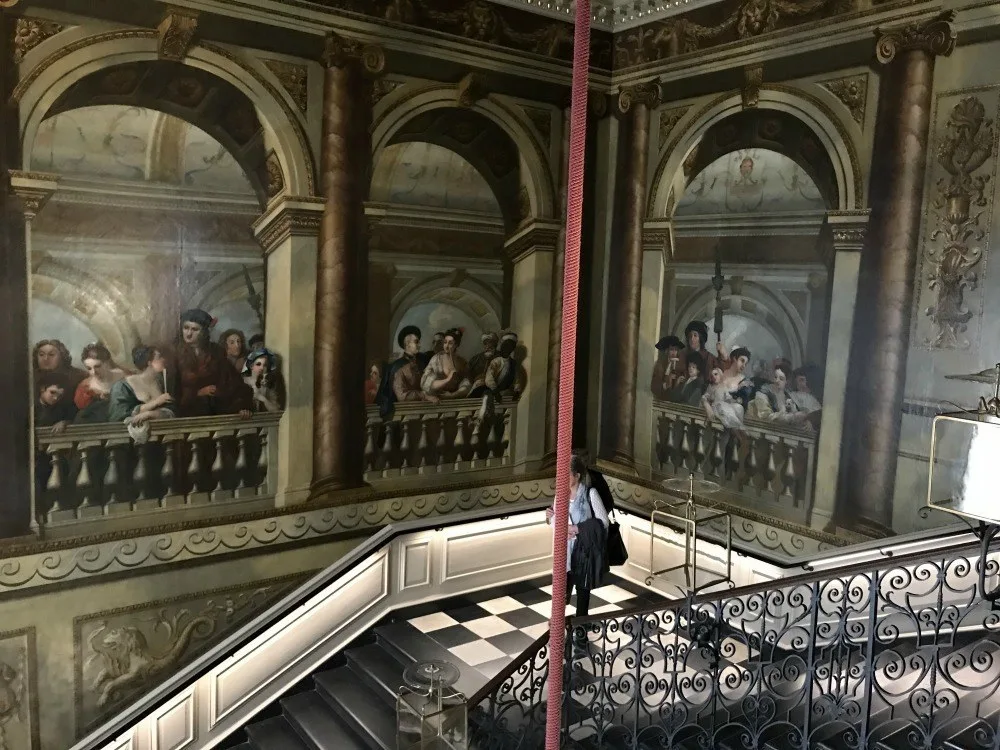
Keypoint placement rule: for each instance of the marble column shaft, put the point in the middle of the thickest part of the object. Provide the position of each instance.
(341, 269)
(15, 438)
(888, 263)
(635, 103)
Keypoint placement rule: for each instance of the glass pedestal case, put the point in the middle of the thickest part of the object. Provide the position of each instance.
(430, 713)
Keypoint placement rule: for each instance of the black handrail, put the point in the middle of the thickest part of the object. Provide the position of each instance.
(233, 643)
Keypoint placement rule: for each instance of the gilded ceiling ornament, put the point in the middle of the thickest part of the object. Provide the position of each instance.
(340, 51)
(176, 30)
(936, 37)
(647, 93)
(29, 33)
(668, 121)
(294, 78)
(953, 252)
(852, 92)
(471, 89)
(753, 77)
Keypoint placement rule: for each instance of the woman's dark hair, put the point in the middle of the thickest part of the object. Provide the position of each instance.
(578, 466)
(143, 355)
(96, 351)
(224, 338)
(783, 368)
(740, 351)
(64, 355)
(256, 341)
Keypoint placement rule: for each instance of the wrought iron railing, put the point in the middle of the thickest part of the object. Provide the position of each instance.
(901, 655)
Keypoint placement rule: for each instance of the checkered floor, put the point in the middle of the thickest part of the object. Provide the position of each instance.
(487, 630)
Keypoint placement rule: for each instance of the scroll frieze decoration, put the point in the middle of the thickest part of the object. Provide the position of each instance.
(962, 210)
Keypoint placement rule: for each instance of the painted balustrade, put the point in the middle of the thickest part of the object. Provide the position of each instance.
(95, 470)
(423, 439)
(768, 466)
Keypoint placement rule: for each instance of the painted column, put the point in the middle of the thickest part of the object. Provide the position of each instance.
(380, 278)
(846, 237)
(888, 264)
(24, 196)
(555, 327)
(531, 252)
(636, 103)
(287, 233)
(342, 267)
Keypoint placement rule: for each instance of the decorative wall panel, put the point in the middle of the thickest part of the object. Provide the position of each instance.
(18, 691)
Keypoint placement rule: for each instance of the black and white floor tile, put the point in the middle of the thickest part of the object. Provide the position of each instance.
(487, 630)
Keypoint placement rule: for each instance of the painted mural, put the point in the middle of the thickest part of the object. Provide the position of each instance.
(750, 181)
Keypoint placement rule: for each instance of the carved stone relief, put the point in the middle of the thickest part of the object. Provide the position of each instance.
(852, 92)
(957, 234)
(275, 179)
(668, 121)
(29, 33)
(18, 691)
(381, 88)
(123, 652)
(176, 33)
(294, 78)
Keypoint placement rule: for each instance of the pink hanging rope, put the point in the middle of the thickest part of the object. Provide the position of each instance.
(567, 368)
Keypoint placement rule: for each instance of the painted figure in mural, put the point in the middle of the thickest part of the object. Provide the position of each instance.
(138, 398)
(690, 388)
(234, 342)
(93, 393)
(52, 356)
(720, 403)
(372, 383)
(505, 377)
(773, 402)
(437, 345)
(208, 384)
(481, 361)
(447, 374)
(401, 378)
(52, 408)
(260, 372)
(696, 335)
(803, 396)
(667, 369)
(256, 342)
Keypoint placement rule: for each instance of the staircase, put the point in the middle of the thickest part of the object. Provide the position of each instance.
(352, 705)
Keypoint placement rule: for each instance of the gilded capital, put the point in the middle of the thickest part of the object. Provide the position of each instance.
(935, 37)
(647, 93)
(340, 51)
(288, 216)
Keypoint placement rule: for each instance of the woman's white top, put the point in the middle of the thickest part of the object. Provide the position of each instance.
(578, 513)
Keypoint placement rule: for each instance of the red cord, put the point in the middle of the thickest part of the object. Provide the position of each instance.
(567, 368)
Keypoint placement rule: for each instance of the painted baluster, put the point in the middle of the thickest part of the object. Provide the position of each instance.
(169, 475)
(684, 449)
(111, 479)
(219, 492)
(387, 441)
(243, 485)
(716, 457)
(699, 447)
(788, 475)
(666, 436)
(459, 441)
(405, 464)
(197, 495)
(84, 485)
(53, 487)
(262, 462)
(139, 473)
(370, 453)
(504, 445)
(751, 463)
(440, 444)
(770, 471)
(423, 447)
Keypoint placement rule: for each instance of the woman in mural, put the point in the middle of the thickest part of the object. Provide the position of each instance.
(447, 374)
(720, 403)
(208, 384)
(235, 343)
(773, 402)
(52, 356)
(260, 373)
(139, 398)
(93, 393)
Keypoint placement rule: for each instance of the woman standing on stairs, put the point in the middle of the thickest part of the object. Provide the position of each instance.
(586, 544)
